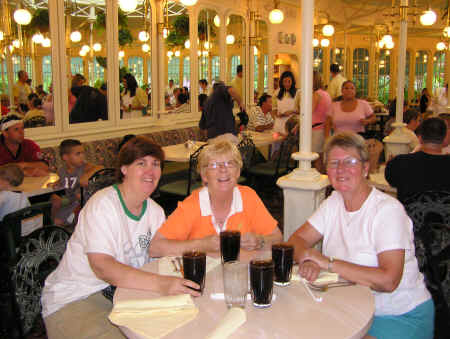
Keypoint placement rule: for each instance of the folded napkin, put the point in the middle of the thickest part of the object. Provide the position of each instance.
(166, 267)
(154, 318)
(324, 277)
(234, 318)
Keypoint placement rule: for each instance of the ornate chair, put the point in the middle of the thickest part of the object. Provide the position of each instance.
(100, 179)
(247, 149)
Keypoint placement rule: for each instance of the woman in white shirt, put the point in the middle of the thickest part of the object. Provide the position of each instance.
(134, 99)
(286, 102)
(367, 239)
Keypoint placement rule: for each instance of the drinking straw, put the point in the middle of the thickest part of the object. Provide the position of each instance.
(316, 299)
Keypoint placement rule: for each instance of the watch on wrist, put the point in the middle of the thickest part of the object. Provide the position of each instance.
(330, 264)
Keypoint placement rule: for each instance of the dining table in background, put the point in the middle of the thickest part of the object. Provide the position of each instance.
(345, 312)
(37, 186)
(379, 181)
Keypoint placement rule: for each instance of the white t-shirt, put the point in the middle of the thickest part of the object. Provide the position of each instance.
(413, 139)
(11, 202)
(381, 224)
(105, 226)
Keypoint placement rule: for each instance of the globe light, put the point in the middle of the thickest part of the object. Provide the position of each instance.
(11, 48)
(216, 21)
(46, 42)
(446, 32)
(328, 30)
(337, 51)
(121, 54)
(165, 32)
(276, 16)
(388, 53)
(75, 36)
(315, 42)
(207, 45)
(390, 45)
(381, 43)
(440, 46)
(97, 47)
(145, 48)
(188, 2)
(428, 18)
(1, 35)
(324, 42)
(169, 54)
(37, 38)
(143, 36)
(230, 39)
(387, 38)
(16, 43)
(255, 50)
(127, 5)
(22, 16)
(177, 53)
(83, 53)
(205, 53)
(199, 53)
(187, 44)
(86, 48)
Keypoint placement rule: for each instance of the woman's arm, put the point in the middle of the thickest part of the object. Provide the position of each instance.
(384, 278)
(117, 274)
(251, 241)
(328, 126)
(369, 120)
(316, 100)
(161, 246)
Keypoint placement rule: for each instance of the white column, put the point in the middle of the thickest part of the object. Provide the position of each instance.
(397, 142)
(112, 53)
(304, 188)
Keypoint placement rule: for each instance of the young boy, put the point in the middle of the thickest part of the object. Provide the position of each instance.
(75, 173)
(12, 176)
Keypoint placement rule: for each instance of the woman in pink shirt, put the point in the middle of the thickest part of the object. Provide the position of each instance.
(349, 114)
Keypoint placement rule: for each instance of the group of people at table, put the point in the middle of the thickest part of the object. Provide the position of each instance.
(121, 228)
(366, 235)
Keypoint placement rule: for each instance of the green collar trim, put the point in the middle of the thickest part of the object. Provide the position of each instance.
(127, 211)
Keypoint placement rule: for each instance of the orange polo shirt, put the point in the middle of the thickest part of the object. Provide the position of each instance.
(187, 222)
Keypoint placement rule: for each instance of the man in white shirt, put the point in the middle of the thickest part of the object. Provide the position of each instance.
(260, 118)
(21, 90)
(335, 86)
(236, 83)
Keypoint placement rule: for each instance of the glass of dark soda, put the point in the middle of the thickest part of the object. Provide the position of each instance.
(194, 267)
(261, 282)
(230, 245)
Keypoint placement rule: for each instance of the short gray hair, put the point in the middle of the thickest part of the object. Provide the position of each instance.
(216, 149)
(347, 140)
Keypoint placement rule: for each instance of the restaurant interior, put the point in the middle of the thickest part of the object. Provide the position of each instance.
(185, 41)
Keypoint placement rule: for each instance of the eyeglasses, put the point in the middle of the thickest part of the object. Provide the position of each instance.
(346, 163)
(222, 164)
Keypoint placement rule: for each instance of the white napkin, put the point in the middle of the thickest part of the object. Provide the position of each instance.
(154, 318)
(324, 277)
(234, 318)
(166, 267)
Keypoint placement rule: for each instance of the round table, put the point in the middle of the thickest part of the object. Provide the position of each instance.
(345, 312)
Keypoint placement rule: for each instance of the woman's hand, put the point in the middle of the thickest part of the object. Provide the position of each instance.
(251, 241)
(175, 285)
(211, 243)
(309, 270)
(315, 256)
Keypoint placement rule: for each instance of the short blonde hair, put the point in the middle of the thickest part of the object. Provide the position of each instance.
(12, 174)
(347, 140)
(216, 149)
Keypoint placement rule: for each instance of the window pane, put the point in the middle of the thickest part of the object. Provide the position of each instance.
(361, 71)
(136, 67)
(318, 59)
(438, 70)
(384, 77)
(420, 80)
(76, 65)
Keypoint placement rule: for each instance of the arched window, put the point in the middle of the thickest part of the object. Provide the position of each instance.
(361, 71)
(384, 77)
(76, 65)
(337, 56)
(173, 70)
(420, 81)
(438, 70)
(136, 67)
(203, 65)
(46, 71)
(16, 66)
(318, 59)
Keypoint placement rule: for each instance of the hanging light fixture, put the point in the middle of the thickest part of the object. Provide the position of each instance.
(16, 43)
(216, 20)
(440, 46)
(230, 39)
(187, 44)
(177, 53)
(127, 5)
(324, 42)
(207, 45)
(188, 2)
(46, 42)
(387, 38)
(97, 47)
(276, 16)
(83, 53)
(446, 32)
(143, 36)
(37, 38)
(428, 18)
(315, 42)
(121, 54)
(389, 45)
(205, 53)
(328, 30)
(22, 16)
(169, 54)
(75, 36)
(255, 50)
(86, 48)
(145, 48)
(199, 53)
